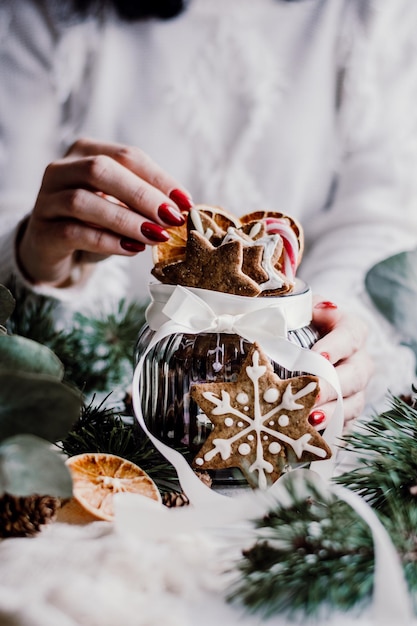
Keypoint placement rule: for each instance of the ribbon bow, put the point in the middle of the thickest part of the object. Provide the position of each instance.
(192, 313)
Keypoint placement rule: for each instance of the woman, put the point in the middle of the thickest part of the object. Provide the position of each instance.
(305, 107)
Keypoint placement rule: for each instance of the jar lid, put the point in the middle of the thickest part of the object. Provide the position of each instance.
(295, 306)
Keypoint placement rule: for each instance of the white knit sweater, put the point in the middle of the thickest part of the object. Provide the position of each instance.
(305, 107)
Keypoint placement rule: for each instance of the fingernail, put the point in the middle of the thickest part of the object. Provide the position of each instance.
(316, 417)
(154, 232)
(326, 355)
(182, 199)
(170, 215)
(326, 304)
(131, 245)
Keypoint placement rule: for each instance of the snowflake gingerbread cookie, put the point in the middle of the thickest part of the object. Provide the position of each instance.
(260, 422)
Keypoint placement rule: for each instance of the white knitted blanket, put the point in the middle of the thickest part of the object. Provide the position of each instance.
(97, 575)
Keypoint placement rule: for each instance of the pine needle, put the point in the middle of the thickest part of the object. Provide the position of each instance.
(386, 448)
(310, 558)
(97, 351)
(102, 429)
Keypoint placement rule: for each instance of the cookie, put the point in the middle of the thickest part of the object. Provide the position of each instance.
(252, 264)
(271, 246)
(174, 249)
(208, 267)
(260, 422)
(213, 229)
(262, 252)
(292, 236)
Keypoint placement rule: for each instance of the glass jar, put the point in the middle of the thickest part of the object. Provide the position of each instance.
(180, 359)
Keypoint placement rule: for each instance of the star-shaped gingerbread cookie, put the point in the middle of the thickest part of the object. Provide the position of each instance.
(208, 267)
(260, 422)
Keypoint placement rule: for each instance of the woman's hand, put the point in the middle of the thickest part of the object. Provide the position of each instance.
(100, 199)
(342, 342)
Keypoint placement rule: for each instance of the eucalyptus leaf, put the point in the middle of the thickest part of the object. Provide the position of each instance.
(7, 304)
(36, 404)
(22, 354)
(28, 466)
(392, 286)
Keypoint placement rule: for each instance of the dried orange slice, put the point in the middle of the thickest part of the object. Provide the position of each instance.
(174, 249)
(290, 230)
(97, 477)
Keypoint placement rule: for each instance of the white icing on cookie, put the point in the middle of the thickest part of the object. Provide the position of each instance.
(274, 447)
(268, 243)
(198, 224)
(244, 449)
(271, 395)
(242, 398)
(283, 420)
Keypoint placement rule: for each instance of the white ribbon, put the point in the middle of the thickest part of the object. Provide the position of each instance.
(191, 312)
(295, 307)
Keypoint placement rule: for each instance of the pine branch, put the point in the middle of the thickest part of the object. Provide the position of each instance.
(386, 477)
(34, 317)
(102, 429)
(309, 558)
(401, 523)
(97, 352)
(387, 453)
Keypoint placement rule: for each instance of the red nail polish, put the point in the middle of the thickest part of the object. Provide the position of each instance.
(316, 417)
(154, 232)
(131, 245)
(325, 305)
(326, 355)
(181, 199)
(170, 215)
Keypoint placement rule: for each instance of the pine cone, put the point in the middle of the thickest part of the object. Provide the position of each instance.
(178, 498)
(172, 499)
(23, 516)
(204, 477)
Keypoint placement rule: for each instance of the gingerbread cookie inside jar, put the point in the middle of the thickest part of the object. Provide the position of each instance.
(225, 286)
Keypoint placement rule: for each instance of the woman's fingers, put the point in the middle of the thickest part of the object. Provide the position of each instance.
(110, 180)
(354, 375)
(73, 235)
(341, 334)
(353, 407)
(140, 164)
(97, 211)
(342, 342)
